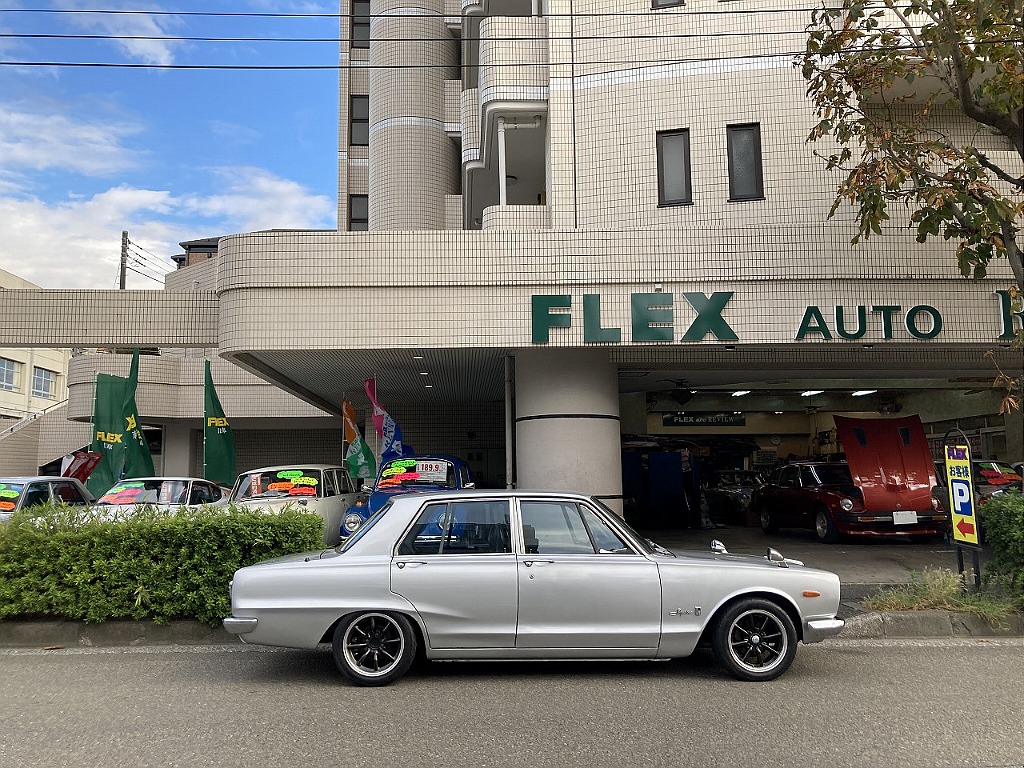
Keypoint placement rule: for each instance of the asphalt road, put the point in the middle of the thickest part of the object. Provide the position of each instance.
(922, 703)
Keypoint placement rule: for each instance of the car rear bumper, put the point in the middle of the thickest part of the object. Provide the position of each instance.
(238, 626)
(816, 630)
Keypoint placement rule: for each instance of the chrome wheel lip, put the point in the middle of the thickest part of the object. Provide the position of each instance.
(755, 634)
(371, 638)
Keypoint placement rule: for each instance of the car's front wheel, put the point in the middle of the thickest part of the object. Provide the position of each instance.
(768, 525)
(824, 527)
(755, 640)
(374, 648)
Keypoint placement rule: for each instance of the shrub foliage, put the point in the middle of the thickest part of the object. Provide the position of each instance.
(69, 563)
(1002, 529)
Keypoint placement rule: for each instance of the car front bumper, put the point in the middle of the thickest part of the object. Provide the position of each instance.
(816, 630)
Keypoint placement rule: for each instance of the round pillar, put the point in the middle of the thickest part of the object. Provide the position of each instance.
(567, 423)
(412, 162)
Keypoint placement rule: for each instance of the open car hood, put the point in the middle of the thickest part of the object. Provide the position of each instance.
(890, 462)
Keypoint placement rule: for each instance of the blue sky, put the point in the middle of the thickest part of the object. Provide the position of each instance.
(169, 155)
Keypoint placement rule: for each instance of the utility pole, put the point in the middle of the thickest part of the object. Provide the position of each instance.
(124, 256)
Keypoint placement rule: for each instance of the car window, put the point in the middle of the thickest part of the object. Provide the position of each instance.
(34, 494)
(458, 528)
(554, 528)
(604, 538)
(68, 493)
(405, 473)
(995, 473)
(203, 493)
(807, 478)
(330, 487)
(789, 476)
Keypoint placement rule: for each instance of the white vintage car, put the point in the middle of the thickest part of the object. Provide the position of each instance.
(528, 576)
(166, 494)
(324, 489)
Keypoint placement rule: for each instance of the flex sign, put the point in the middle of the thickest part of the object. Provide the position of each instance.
(961, 493)
(653, 318)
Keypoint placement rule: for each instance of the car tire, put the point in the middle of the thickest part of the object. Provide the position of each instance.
(373, 647)
(824, 527)
(754, 640)
(768, 524)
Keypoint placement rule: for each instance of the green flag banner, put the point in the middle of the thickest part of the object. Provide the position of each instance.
(358, 456)
(107, 432)
(218, 442)
(138, 462)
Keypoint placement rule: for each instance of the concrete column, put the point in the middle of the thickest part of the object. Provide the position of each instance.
(412, 162)
(177, 452)
(567, 423)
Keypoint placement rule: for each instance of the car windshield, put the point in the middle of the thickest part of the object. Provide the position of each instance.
(146, 492)
(410, 473)
(272, 484)
(9, 493)
(833, 474)
(739, 478)
(995, 473)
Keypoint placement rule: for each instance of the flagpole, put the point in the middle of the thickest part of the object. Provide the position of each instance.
(202, 421)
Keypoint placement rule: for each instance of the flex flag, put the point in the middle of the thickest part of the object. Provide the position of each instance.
(138, 462)
(388, 431)
(961, 494)
(107, 432)
(218, 442)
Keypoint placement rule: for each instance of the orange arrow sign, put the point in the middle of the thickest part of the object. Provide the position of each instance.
(967, 529)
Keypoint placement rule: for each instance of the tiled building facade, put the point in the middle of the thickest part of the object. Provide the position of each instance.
(544, 207)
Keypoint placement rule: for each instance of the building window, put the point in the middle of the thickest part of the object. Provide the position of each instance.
(674, 168)
(359, 121)
(656, 4)
(44, 383)
(8, 374)
(360, 23)
(745, 182)
(358, 213)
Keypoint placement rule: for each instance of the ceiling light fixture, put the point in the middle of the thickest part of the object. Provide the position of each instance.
(424, 373)
(811, 392)
(862, 392)
(741, 392)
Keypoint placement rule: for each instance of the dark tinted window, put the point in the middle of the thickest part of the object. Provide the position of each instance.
(744, 147)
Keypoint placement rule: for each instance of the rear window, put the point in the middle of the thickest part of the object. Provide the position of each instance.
(411, 473)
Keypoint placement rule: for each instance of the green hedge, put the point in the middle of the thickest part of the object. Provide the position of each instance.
(60, 562)
(1002, 530)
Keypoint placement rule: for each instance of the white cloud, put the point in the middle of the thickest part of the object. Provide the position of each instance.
(77, 243)
(253, 198)
(47, 140)
(128, 26)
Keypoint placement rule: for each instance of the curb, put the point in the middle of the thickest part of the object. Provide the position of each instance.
(55, 635)
(63, 634)
(920, 624)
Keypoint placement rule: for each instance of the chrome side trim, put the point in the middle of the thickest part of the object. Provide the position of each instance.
(239, 626)
(816, 630)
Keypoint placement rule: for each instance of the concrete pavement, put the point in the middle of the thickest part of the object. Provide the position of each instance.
(864, 567)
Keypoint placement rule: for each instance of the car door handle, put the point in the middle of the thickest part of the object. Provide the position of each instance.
(414, 563)
(529, 563)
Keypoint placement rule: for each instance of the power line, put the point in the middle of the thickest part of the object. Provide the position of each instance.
(143, 274)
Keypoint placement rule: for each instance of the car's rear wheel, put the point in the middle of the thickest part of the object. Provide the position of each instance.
(755, 640)
(824, 527)
(374, 648)
(768, 525)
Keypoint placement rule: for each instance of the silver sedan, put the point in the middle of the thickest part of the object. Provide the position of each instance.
(528, 575)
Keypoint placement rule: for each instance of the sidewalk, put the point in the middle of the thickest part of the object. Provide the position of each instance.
(864, 567)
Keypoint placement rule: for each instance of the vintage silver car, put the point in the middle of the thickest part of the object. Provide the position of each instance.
(528, 576)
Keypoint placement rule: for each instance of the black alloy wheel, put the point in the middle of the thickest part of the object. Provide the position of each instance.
(755, 640)
(374, 648)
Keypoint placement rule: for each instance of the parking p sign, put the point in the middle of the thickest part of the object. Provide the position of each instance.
(961, 494)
